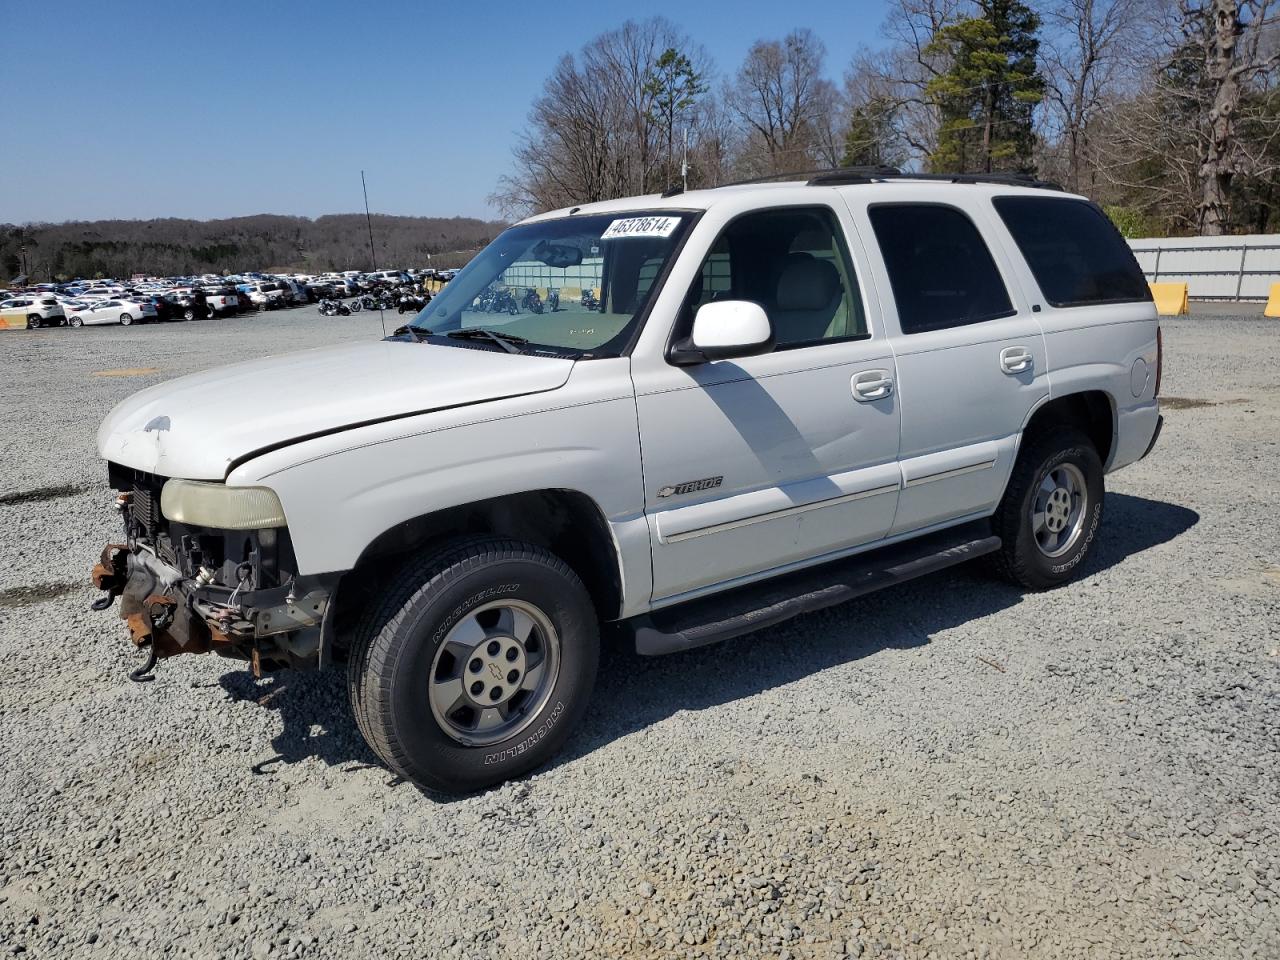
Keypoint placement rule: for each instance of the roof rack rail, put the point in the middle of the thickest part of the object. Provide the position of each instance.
(828, 177)
(798, 174)
(832, 178)
(871, 175)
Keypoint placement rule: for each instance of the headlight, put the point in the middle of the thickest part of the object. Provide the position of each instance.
(221, 507)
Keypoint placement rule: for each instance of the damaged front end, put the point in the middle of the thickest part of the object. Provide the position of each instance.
(186, 588)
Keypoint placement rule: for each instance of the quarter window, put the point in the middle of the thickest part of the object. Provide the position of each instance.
(791, 261)
(1075, 253)
(940, 269)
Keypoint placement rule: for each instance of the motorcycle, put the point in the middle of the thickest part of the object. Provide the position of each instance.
(589, 300)
(553, 299)
(531, 303)
(411, 303)
(504, 301)
(334, 308)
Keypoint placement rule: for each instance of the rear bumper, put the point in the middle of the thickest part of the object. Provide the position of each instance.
(1154, 437)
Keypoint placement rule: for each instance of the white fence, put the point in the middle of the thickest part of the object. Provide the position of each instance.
(1214, 268)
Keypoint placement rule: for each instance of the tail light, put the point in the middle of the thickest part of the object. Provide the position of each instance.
(1159, 359)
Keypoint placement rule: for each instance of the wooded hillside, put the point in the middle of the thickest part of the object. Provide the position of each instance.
(119, 248)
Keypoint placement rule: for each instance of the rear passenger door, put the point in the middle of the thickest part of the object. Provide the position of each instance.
(970, 355)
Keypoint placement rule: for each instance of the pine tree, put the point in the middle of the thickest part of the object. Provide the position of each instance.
(987, 96)
(675, 87)
(871, 140)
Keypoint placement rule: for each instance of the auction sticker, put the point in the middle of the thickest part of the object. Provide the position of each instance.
(641, 227)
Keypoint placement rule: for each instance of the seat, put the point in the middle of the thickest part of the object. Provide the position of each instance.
(809, 297)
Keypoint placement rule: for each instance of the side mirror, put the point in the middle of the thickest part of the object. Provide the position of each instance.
(724, 329)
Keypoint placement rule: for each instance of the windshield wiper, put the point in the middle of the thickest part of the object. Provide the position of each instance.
(418, 333)
(507, 341)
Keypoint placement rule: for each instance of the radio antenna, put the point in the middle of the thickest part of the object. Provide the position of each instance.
(373, 254)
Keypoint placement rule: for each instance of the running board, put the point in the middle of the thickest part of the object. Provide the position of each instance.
(759, 605)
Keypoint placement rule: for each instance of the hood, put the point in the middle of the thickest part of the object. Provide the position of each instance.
(195, 427)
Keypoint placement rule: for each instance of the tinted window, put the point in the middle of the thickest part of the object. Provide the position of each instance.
(939, 267)
(1075, 253)
(792, 262)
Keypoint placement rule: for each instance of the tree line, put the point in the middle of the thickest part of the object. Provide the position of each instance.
(278, 244)
(1167, 112)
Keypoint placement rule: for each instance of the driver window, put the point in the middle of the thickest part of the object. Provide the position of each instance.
(793, 262)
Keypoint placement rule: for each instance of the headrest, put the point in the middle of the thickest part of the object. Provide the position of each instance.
(806, 283)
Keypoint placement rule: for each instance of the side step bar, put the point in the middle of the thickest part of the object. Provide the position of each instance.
(755, 606)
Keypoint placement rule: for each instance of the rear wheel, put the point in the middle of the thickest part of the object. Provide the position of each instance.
(76, 322)
(188, 314)
(33, 321)
(125, 319)
(1051, 510)
(475, 665)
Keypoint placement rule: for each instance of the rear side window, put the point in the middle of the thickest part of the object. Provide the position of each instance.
(940, 269)
(1075, 253)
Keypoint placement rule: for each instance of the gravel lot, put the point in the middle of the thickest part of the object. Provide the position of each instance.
(951, 769)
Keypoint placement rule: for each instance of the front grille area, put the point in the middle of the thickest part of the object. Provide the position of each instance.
(144, 510)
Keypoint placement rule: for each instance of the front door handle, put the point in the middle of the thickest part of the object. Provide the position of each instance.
(871, 385)
(1016, 360)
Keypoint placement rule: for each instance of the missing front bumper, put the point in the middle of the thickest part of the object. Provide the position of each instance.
(169, 614)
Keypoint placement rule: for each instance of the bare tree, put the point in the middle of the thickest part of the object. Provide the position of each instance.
(1087, 53)
(782, 102)
(1229, 32)
(911, 64)
(1204, 121)
(594, 132)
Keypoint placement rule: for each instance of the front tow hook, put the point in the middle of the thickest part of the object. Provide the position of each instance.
(156, 614)
(110, 574)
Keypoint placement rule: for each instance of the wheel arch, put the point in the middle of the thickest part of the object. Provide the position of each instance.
(566, 522)
(1093, 411)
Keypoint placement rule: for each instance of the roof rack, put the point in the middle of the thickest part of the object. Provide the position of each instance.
(874, 171)
(850, 175)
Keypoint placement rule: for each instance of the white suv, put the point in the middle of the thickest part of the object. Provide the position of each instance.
(32, 310)
(783, 397)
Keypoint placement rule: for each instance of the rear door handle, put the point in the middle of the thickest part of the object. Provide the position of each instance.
(871, 385)
(1016, 359)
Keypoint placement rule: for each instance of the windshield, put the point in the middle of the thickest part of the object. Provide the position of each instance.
(576, 284)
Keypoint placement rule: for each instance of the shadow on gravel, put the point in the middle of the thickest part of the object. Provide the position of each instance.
(634, 692)
(314, 713)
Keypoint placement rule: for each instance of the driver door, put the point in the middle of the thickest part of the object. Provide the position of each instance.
(761, 463)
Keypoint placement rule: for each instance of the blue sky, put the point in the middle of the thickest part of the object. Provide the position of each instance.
(139, 109)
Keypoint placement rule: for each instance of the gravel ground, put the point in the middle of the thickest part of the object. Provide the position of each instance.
(950, 769)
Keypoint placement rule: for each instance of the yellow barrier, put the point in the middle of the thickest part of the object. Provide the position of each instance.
(1170, 298)
(14, 322)
(1273, 302)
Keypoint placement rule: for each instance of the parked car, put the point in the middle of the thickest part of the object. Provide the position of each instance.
(187, 306)
(221, 301)
(790, 395)
(32, 311)
(165, 310)
(123, 312)
(293, 291)
(266, 294)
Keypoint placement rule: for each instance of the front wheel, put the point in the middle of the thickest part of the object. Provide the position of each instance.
(475, 665)
(33, 321)
(1051, 510)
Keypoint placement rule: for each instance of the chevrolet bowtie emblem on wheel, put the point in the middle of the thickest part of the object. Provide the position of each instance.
(691, 486)
(495, 672)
